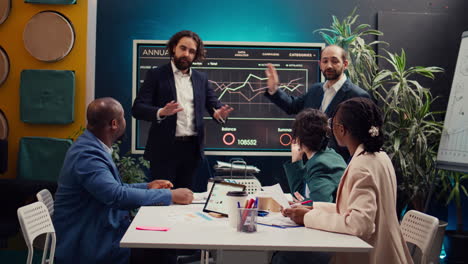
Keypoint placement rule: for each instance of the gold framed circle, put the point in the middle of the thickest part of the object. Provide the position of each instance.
(4, 66)
(3, 126)
(5, 6)
(49, 36)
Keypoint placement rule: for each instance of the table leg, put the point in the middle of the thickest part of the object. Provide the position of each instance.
(219, 256)
(205, 257)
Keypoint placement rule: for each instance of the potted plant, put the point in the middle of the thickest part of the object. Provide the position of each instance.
(411, 128)
(456, 240)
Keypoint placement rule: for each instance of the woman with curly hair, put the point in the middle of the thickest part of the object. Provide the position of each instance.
(317, 178)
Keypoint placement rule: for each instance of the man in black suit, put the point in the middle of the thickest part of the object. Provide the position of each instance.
(174, 97)
(324, 96)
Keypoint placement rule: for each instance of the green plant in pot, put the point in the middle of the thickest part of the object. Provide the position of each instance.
(453, 190)
(411, 129)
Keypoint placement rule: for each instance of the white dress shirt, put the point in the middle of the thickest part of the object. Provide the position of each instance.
(185, 125)
(330, 92)
(106, 148)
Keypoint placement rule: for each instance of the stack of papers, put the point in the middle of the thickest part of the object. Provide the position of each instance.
(276, 193)
(276, 219)
(237, 167)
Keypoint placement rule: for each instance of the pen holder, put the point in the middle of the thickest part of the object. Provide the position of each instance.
(248, 220)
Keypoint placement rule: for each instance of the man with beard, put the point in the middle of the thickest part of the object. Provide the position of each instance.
(174, 97)
(91, 203)
(323, 96)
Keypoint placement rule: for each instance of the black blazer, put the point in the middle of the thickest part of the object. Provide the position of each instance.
(313, 99)
(159, 89)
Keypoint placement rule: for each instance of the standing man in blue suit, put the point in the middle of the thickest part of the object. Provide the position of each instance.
(323, 96)
(174, 98)
(92, 204)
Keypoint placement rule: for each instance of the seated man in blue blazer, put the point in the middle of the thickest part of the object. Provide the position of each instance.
(92, 204)
(323, 96)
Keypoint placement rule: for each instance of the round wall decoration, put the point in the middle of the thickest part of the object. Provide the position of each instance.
(4, 66)
(3, 143)
(5, 6)
(49, 36)
(3, 126)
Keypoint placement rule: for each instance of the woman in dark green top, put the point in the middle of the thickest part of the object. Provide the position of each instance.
(318, 177)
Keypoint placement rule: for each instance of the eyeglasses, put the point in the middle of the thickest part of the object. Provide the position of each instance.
(331, 123)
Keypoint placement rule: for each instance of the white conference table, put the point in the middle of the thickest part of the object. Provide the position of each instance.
(192, 229)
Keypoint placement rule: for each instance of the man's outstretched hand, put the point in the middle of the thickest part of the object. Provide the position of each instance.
(273, 79)
(170, 108)
(222, 113)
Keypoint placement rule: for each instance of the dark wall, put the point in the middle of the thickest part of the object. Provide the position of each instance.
(427, 42)
(272, 21)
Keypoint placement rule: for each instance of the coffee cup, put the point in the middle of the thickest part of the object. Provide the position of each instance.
(234, 200)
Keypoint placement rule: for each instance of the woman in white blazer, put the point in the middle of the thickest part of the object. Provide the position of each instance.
(366, 197)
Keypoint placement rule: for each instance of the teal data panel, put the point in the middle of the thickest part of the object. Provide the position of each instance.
(236, 72)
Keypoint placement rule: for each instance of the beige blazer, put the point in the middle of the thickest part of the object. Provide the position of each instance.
(365, 207)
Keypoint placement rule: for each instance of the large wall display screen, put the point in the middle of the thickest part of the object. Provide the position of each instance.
(236, 72)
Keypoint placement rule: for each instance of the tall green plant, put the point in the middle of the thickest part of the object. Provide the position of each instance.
(412, 132)
(411, 129)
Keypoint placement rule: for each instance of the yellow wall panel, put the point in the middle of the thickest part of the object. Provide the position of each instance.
(11, 39)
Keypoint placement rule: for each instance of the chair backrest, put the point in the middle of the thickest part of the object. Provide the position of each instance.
(419, 229)
(35, 220)
(46, 197)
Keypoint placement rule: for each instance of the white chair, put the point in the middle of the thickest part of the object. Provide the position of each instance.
(46, 197)
(35, 220)
(419, 229)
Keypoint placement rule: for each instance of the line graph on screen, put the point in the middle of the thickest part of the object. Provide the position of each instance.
(244, 88)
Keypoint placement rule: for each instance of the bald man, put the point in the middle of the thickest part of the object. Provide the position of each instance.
(323, 96)
(91, 207)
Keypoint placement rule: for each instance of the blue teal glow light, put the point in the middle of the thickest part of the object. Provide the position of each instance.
(442, 252)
